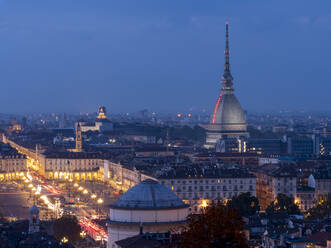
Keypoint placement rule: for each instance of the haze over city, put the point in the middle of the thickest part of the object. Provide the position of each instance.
(154, 124)
(166, 56)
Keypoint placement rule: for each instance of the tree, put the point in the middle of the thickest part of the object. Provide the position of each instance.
(67, 226)
(245, 204)
(218, 226)
(283, 203)
(2, 218)
(321, 209)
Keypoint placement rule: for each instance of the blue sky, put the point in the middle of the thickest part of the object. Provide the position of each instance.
(74, 55)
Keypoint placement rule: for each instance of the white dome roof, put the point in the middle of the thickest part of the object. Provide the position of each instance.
(228, 111)
(149, 194)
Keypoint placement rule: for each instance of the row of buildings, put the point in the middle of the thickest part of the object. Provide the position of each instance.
(197, 180)
(305, 145)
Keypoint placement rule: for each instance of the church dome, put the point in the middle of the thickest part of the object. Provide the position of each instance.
(149, 194)
(228, 111)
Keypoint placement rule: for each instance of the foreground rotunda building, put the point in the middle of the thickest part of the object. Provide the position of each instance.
(228, 118)
(149, 207)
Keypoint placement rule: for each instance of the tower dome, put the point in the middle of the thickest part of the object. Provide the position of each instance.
(228, 118)
(149, 194)
(150, 206)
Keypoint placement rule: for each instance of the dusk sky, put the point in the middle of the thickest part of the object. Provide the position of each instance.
(168, 56)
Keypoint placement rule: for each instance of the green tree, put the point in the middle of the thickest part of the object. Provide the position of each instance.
(245, 204)
(321, 209)
(67, 226)
(218, 226)
(283, 203)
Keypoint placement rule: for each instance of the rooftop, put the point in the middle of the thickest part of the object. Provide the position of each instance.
(148, 194)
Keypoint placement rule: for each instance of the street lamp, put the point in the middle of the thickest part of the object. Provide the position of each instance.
(85, 191)
(93, 196)
(99, 201)
(82, 234)
(80, 188)
(64, 240)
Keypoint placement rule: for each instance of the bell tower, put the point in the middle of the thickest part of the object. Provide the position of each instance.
(79, 143)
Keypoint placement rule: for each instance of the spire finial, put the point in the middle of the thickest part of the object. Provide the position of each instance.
(227, 49)
(227, 78)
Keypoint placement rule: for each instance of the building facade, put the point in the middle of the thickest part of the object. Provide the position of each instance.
(13, 165)
(199, 192)
(274, 179)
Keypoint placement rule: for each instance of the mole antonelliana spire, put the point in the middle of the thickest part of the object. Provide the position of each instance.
(228, 118)
(227, 78)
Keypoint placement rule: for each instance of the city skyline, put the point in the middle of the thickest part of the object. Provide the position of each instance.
(61, 57)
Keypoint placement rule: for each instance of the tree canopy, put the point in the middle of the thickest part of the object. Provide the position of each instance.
(321, 209)
(245, 204)
(283, 203)
(67, 226)
(218, 226)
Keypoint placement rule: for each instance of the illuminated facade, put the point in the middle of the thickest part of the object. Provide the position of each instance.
(201, 192)
(228, 118)
(70, 165)
(122, 178)
(101, 123)
(12, 164)
(273, 179)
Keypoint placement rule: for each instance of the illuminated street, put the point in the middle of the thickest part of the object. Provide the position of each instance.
(86, 200)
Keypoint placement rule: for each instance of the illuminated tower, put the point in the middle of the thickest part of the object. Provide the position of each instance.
(79, 144)
(228, 118)
(102, 113)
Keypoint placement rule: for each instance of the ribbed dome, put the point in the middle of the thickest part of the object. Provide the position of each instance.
(148, 194)
(228, 111)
